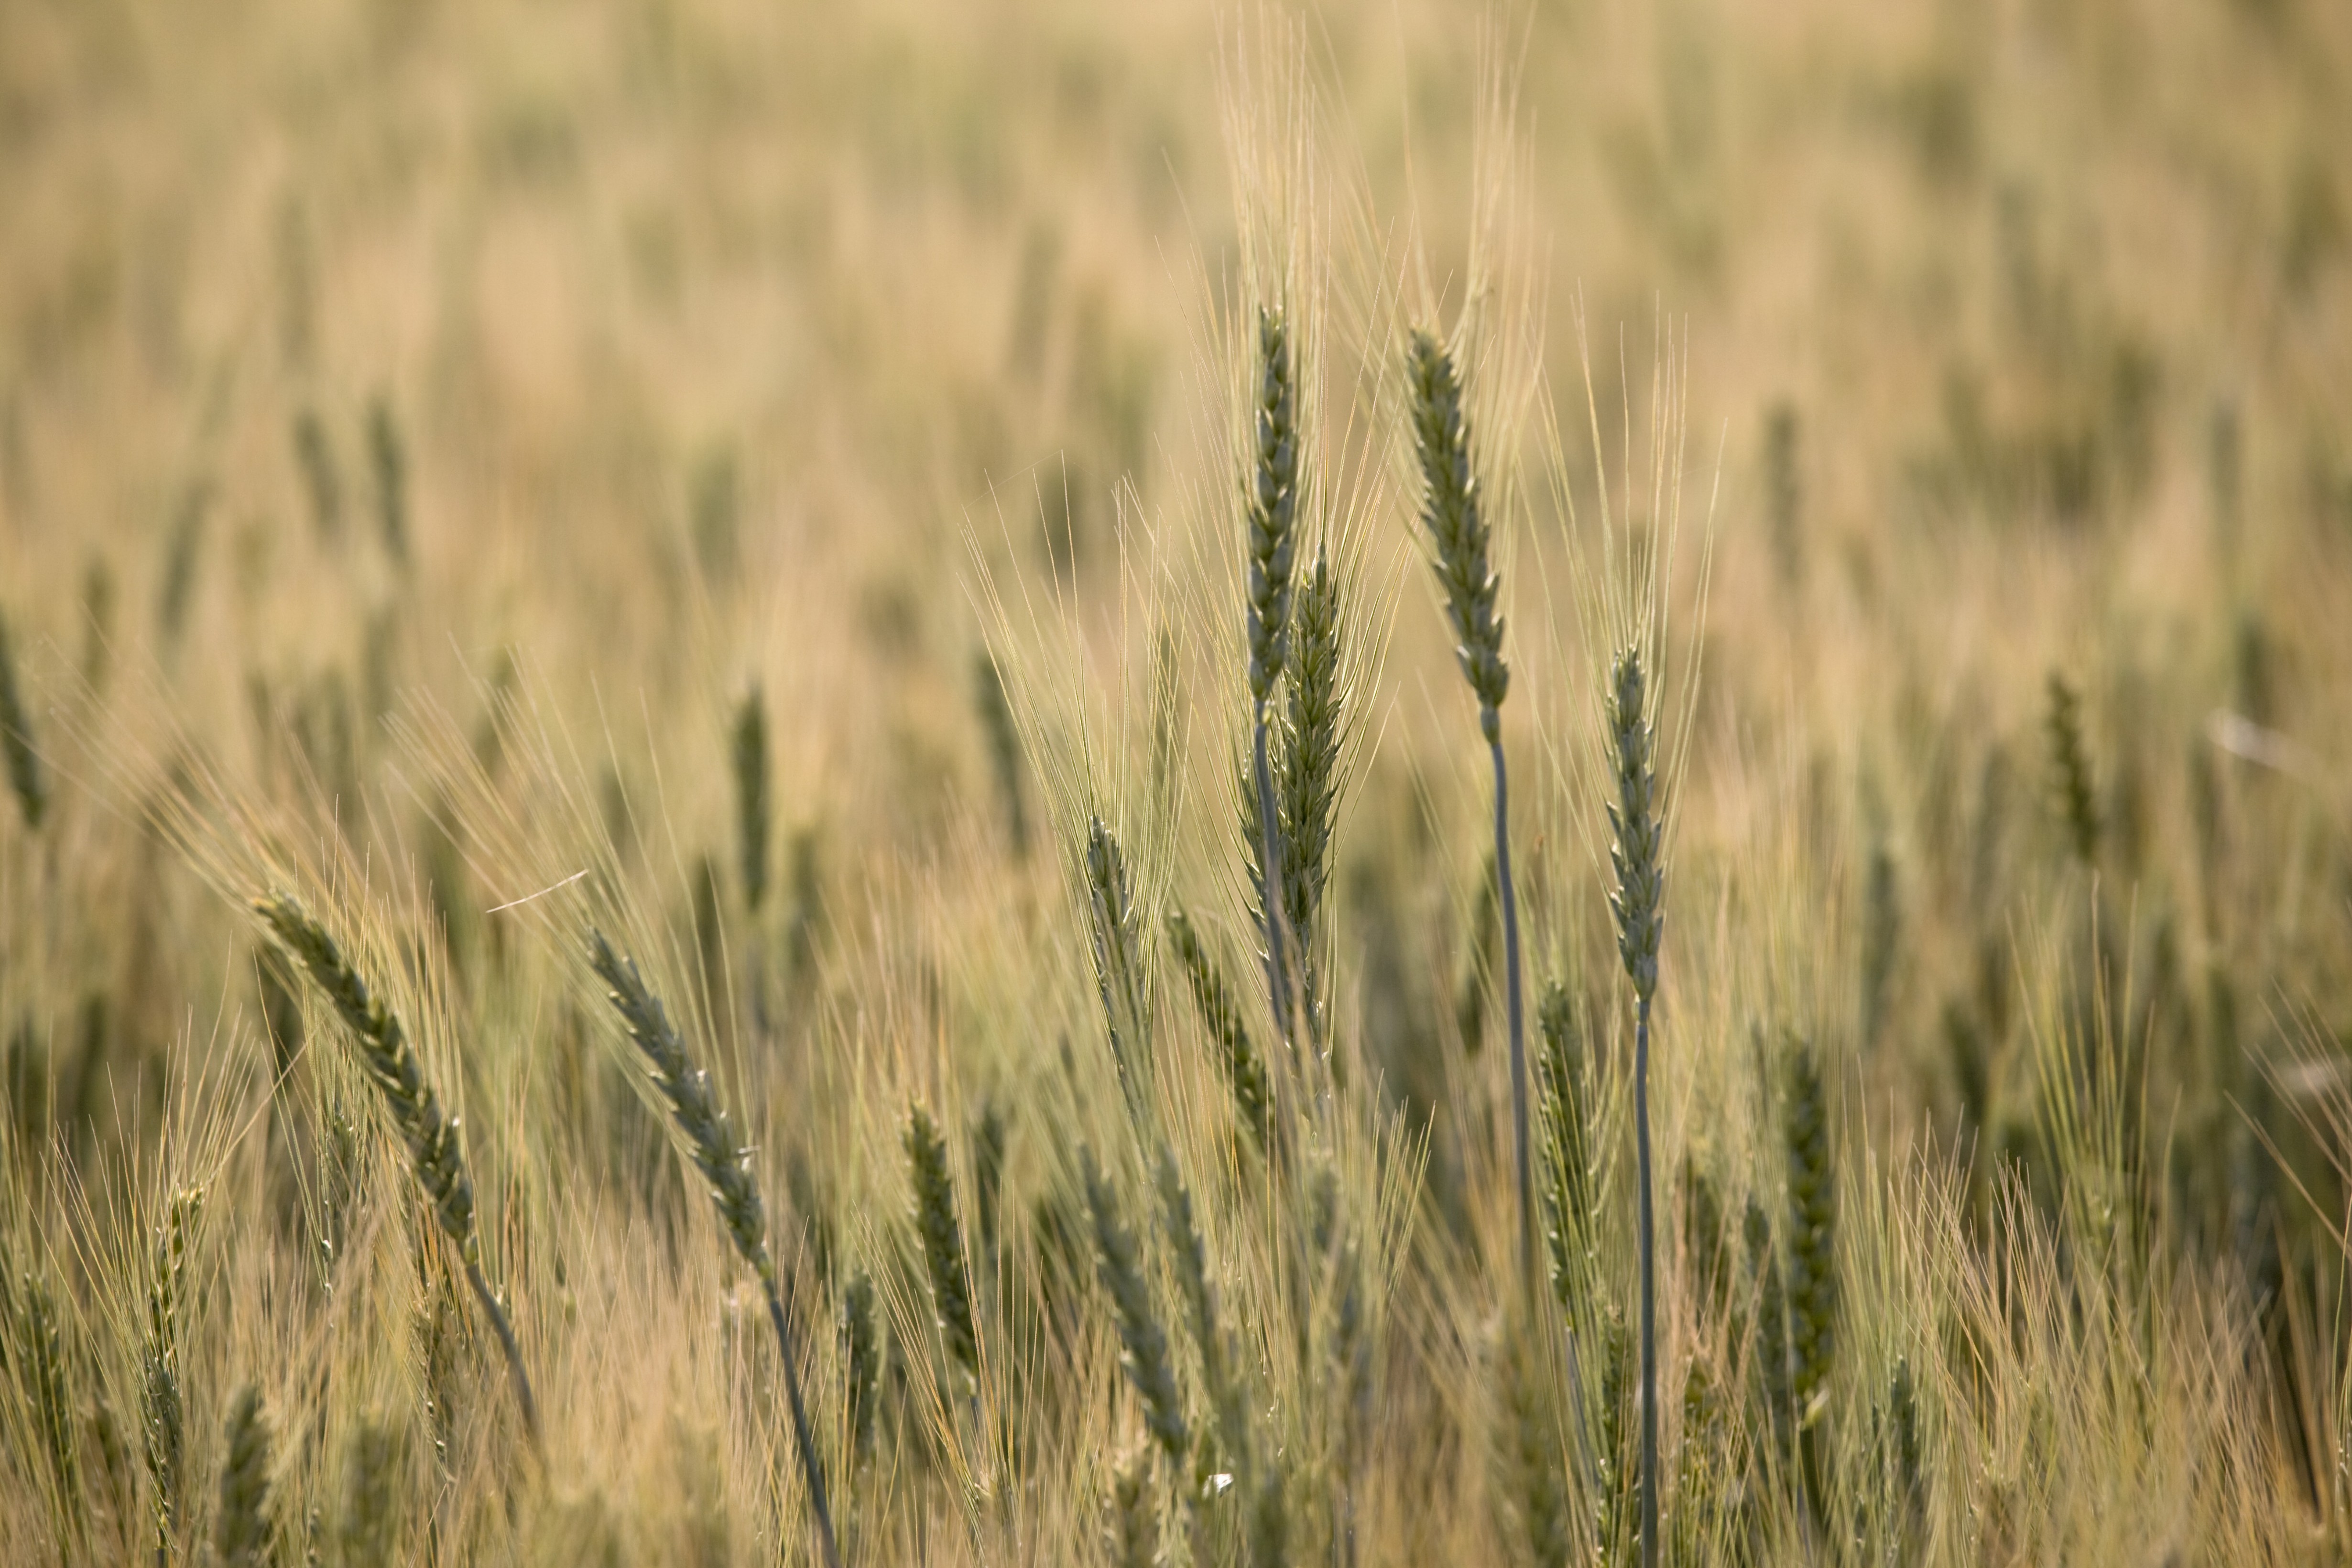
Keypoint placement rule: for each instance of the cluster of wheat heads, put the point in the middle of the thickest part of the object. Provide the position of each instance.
(1076, 1240)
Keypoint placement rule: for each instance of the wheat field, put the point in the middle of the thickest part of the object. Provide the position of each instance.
(1379, 784)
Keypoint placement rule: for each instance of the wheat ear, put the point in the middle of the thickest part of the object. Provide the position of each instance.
(1636, 854)
(163, 1403)
(727, 1166)
(1273, 515)
(434, 1154)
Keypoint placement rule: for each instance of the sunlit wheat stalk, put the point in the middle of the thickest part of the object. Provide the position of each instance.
(727, 1166)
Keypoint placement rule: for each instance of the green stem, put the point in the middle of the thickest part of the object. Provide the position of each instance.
(1649, 1271)
(812, 1468)
(504, 1331)
(1518, 1037)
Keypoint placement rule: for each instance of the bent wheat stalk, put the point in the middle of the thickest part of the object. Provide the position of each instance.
(434, 1154)
(727, 1166)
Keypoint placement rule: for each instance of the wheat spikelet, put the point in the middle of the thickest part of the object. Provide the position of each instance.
(726, 1166)
(42, 1367)
(368, 1528)
(943, 1238)
(163, 1406)
(750, 756)
(2070, 767)
(1119, 1262)
(242, 1530)
(25, 772)
(1272, 512)
(1225, 1398)
(1307, 783)
(1236, 1053)
(1119, 968)
(388, 461)
(1812, 1268)
(861, 1358)
(1135, 1535)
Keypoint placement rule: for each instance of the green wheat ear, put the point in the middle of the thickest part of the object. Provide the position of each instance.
(1221, 1016)
(1140, 1335)
(750, 758)
(390, 1062)
(942, 1238)
(2069, 766)
(162, 1405)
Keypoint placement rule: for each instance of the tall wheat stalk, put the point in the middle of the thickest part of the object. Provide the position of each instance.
(1637, 830)
(1454, 514)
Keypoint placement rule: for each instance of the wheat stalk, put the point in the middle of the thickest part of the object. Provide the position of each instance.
(390, 1062)
(1636, 854)
(727, 1166)
(1454, 511)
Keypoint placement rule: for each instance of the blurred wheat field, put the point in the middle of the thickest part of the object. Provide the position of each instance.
(756, 514)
